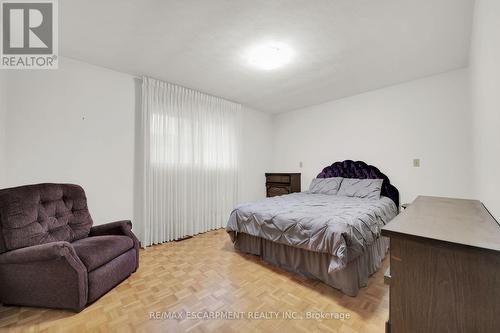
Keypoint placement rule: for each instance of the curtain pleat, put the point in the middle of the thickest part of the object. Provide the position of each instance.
(190, 161)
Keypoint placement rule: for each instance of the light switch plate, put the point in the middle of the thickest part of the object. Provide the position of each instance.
(416, 162)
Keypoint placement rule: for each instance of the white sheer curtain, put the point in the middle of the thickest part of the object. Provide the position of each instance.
(190, 157)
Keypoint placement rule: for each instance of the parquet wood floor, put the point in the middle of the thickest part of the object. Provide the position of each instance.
(205, 273)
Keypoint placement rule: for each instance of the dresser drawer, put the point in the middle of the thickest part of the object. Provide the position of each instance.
(278, 179)
(273, 191)
(281, 183)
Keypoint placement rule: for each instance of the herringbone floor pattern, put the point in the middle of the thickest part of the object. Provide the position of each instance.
(205, 273)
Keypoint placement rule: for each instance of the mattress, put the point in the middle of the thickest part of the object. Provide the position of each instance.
(342, 227)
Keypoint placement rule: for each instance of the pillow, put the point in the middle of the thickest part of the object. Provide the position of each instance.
(361, 188)
(325, 185)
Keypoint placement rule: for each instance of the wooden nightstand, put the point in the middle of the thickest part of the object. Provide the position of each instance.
(282, 183)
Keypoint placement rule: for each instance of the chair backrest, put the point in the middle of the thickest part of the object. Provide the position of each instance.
(42, 213)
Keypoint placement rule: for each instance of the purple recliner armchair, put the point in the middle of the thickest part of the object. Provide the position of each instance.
(51, 256)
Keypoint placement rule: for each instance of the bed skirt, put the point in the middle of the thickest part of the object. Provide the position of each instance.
(314, 264)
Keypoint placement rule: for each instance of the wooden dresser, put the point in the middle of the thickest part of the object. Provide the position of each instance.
(282, 183)
(444, 268)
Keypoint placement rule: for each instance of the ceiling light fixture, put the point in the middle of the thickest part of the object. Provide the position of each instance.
(269, 55)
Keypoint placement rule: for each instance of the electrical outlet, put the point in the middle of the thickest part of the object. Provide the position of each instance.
(416, 162)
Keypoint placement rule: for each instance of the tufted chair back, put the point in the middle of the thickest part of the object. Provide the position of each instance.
(42, 213)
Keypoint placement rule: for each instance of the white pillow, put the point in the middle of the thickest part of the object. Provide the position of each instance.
(361, 188)
(325, 185)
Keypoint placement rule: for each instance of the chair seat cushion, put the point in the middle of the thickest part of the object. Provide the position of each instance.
(99, 250)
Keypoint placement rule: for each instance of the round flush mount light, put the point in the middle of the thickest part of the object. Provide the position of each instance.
(270, 55)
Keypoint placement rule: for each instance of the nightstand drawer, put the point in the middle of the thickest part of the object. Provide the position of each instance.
(273, 191)
(281, 183)
(278, 179)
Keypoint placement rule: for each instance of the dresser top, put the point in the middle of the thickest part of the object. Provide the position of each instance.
(459, 221)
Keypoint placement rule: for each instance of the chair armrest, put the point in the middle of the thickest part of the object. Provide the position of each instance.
(48, 275)
(117, 228)
(42, 252)
(114, 228)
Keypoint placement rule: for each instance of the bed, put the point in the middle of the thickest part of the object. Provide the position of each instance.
(332, 238)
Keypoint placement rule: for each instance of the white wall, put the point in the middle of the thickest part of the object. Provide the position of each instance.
(427, 119)
(485, 83)
(48, 139)
(256, 154)
(77, 124)
(3, 127)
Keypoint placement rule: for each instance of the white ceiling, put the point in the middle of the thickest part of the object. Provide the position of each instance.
(342, 47)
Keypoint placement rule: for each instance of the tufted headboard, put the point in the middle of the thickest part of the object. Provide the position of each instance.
(43, 213)
(361, 170)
